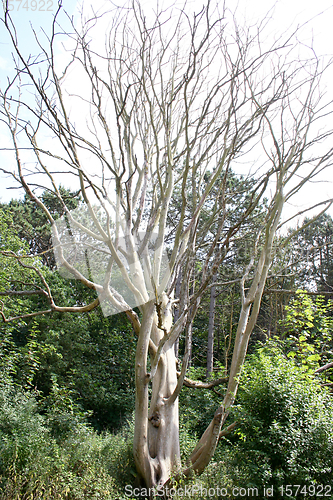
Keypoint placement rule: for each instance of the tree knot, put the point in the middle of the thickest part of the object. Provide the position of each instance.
(155, 419)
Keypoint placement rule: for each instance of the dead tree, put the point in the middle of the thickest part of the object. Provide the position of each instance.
(128, 122)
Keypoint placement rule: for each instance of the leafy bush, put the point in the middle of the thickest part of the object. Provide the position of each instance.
(306, 330)
(86, 357)
(285, 433)
(80, 464)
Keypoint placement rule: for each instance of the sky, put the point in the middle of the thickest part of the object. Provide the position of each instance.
(314, 17)
(25, 14)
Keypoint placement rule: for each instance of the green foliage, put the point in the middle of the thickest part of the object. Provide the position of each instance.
(197, 405)
(63, 415)
(307, 330)
(93, 359)
(19, 273)
(60, 372)
(188, 439)
(30, 224)
(79, 464)
(32, 465)
(87, 358)
(285, 432)
(311, 250)
(10, 242)
(83, 360)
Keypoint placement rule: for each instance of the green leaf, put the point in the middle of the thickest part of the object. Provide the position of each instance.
(313, 357)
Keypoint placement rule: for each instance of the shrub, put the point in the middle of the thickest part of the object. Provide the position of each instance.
(34, 465)
(285, 433)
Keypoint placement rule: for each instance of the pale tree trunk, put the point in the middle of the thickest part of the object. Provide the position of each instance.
(156, 437)
(251, 301)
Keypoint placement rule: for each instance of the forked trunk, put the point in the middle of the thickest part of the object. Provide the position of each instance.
(156, 436)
